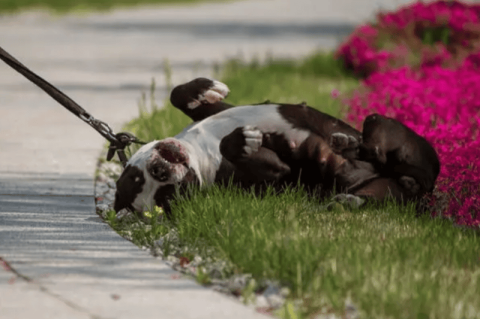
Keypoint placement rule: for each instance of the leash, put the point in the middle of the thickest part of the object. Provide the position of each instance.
(118, 142)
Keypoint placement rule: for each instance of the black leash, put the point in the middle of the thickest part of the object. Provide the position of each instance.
(118, 142)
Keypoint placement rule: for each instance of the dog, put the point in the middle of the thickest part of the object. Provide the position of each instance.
(396, 151)
(274, 144)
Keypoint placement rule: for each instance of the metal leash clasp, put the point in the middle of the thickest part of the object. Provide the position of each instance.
(122, 140)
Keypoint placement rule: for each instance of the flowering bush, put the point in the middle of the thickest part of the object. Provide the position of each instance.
(437, 33)
(442, 104)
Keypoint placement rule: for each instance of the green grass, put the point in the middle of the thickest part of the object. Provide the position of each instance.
(142, 232)
(386, 261)
(63, 6)
(285, 81)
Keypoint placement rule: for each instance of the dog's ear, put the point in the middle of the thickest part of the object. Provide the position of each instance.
(129, 185)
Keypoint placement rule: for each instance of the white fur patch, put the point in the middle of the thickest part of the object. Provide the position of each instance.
(251, 131)
(253, 139)
(194, 104)
(221, 88)
(213, 97)
(215, 94)
(253, 143)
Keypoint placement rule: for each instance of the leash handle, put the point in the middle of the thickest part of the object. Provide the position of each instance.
(118, 142)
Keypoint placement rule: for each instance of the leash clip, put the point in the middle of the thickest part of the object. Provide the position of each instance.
(122, 140)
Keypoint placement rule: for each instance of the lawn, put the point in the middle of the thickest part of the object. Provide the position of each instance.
(62, 6)
(385, 261)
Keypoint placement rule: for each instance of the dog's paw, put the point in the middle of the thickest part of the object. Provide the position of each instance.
(348, 201)
(216, 92)
(340, 141)
(253, 139)
(410, 184)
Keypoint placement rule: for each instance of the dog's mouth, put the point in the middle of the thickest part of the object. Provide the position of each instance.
(169, 161)
(172, 155)
(172, 151)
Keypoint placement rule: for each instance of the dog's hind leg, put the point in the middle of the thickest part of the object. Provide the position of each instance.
(381, 189)
(200, 98)
(414, 179)
(345, 145)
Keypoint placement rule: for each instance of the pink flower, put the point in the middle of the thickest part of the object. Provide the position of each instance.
(443, 105)
(362, 51)
(335, 93)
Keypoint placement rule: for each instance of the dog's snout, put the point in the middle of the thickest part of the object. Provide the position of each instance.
(160, 172)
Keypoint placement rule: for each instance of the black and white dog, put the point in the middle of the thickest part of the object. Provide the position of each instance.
(273, 144)
(255, 144)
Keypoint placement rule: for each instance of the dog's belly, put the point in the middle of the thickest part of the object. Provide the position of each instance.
(205, 136)
(265, 117)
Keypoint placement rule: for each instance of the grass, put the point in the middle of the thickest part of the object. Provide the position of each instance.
(384, 260)
(388, 262)
(285, 81)
(62, 6)
(136, 230)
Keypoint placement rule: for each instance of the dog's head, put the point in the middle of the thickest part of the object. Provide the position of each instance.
(151, 175)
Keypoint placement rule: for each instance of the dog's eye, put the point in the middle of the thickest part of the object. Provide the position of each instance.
(163, 177)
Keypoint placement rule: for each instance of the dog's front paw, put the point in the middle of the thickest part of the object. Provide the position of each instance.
(340, 142)
(253, 139)
(214, 92)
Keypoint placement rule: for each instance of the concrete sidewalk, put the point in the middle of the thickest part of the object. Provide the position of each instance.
(59, 260)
